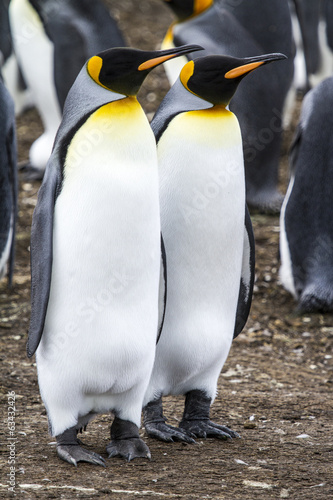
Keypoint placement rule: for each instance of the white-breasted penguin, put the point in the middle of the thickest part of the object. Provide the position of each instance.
(52, 40)
(8, 182)
(239, 29)
(208, 240)
(95, 257)
(306, 225)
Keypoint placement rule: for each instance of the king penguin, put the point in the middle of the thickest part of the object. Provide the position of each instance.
(52, 40)
(8, 183)
(238, 29)
(208, 240)
(306, 227)
(95, 257)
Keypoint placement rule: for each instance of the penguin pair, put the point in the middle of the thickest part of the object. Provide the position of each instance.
(238, 29)
(96, 252)
(306, 227)
(8, 183)
(52, 40)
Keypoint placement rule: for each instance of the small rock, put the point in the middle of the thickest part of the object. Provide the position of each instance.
(257, 484)
(328, 330)
(250, 425)
(241, 462)
(284, 493)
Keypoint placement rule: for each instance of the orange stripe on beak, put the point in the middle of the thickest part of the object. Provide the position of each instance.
(242, 70)
(151, 63)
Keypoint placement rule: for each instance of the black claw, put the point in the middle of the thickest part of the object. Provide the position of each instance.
(207, 428)
(128, 449)
(125, 441)
(74, 453)
(154, 422)
(69, 450)
(196, 418)
(169, 434)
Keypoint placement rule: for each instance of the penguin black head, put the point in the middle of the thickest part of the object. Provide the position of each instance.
(216, 78)
(123, 70)
(188, 8)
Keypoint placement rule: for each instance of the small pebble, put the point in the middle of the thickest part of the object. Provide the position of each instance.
(250, 425)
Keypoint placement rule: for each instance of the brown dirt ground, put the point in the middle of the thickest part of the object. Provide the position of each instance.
(275, 388)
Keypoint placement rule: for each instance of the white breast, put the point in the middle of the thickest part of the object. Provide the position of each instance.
(202, 196)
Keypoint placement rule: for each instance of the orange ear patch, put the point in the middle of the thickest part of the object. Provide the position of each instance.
(201, 5)
(94, 67)
(186, 73)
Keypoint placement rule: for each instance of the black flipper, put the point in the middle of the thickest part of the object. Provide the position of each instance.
(247, 276)
(12, 170)
(295, 148)
(162, 290)
(41, 252)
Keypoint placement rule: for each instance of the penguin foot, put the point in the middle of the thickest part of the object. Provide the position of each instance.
(265, 203)
(169, 434)
(30, 173)
(125, 441)
(128, 449)
(316, 299)
(69, 449)
(74, 453)
(154, 422)
(207, 428)
(196, 419)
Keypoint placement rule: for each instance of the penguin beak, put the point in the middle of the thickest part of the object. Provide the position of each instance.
(165, 55)
(251, 63)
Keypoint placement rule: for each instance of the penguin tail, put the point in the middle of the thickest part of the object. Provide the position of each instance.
(316, 298)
